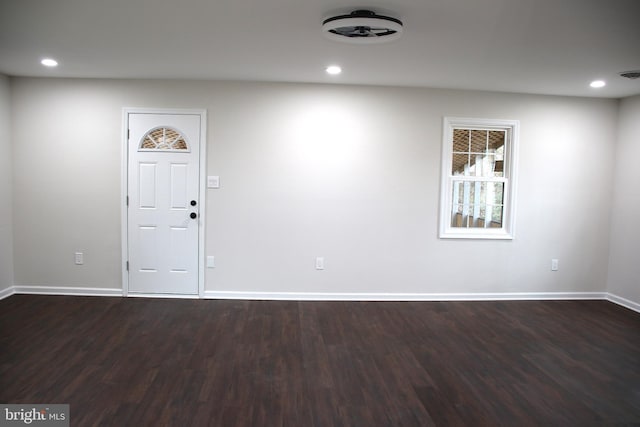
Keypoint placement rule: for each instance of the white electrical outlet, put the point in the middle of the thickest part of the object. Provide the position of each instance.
(554, 264)
(211, 262)
(319, 263)
(79, 258)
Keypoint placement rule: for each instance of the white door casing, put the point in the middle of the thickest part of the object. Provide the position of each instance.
(164, 230)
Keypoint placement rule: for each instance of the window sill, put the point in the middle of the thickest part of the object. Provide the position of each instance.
(476, 234)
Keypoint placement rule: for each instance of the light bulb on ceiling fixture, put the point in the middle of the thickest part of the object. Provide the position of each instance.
(334, 70)
(597, 84)
(48, 62)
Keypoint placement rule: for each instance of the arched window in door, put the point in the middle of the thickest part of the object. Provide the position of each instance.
(163, 139)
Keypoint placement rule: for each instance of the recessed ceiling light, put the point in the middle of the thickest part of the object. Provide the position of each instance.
(598, 83)
(334, 70)
(48, 62)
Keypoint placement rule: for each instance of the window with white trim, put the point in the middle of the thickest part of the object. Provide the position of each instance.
(478, 178)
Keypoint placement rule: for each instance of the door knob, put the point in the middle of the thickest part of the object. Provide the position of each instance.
(193, 203)
(193, 215)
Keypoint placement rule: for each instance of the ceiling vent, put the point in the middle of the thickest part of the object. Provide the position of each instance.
(631, 74)
(362, 26)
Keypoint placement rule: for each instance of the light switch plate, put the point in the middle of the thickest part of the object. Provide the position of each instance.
(213, 181)
(211, 262)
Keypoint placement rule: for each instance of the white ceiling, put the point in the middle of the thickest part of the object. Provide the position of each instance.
(531, 46)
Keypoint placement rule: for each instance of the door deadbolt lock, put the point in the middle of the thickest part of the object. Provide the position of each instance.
(193, 203)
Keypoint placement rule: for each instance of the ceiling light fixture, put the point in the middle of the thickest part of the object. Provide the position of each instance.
(362, 26)
(597, 84)
(48, 62)
(635, 74)
(334, 70)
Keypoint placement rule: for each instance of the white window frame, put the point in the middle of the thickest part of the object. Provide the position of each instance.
(507, 231)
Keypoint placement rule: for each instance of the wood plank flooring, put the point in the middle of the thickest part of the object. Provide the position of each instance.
(159, 362)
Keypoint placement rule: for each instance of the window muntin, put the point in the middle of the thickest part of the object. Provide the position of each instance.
(478, 176)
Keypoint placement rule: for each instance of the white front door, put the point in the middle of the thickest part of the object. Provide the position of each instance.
(163, 203)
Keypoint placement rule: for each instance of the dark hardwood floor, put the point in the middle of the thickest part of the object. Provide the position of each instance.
(157, 362)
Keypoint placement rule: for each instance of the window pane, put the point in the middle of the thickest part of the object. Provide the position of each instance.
(463, 192)
(496, 139)
(478, 141)
(496, 216)
(476, 216)
(498, 170)
(471, 216)
(456, 216)
(477, 204)
(460, 215)
(461, 140)
(458, 163)
(486, 166)
(494, 193)
(163, 138)
(463, 216)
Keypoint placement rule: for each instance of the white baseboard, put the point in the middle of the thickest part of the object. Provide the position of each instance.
(331, 296)
(7, 292)
(335, 296)
(173, 296)
(67, 290)
(624, 302)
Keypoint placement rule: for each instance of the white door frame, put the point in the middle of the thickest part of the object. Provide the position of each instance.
(125, 189)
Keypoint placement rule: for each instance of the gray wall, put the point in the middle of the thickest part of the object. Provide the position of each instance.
(350, 173)
(624, 263)
(6, 226)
